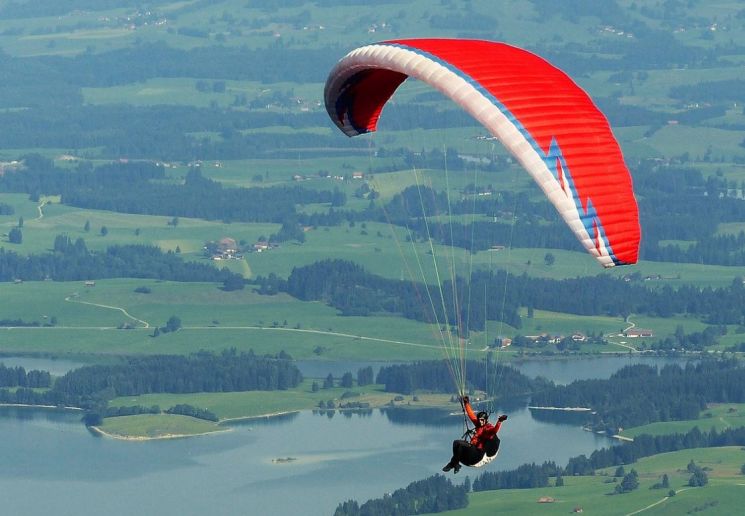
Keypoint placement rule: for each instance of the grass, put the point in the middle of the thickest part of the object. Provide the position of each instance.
(88, 318)
(182, 91)
(236, 405)
(722, 495)
(719, 416)
(722, 143)
(151, 426)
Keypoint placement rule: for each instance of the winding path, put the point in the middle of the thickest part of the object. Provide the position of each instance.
(631, 325)
(658, 502)
(144, 324)
(319, 332)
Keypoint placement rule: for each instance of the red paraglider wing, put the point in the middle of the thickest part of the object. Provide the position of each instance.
(549, 124)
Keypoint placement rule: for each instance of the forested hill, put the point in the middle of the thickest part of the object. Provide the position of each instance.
(92, 386)
(640, 394)
(680, 210)
(70, 261)
(349, 288)
(143, 188)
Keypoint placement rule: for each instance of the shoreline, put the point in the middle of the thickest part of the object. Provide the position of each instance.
(142, 438)
(565, 409)
(40, 406)
(260, 416)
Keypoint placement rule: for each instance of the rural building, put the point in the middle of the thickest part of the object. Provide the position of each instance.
(227, 246)
(634, 333)
(503, 342)
(545, 337)
(225, 249)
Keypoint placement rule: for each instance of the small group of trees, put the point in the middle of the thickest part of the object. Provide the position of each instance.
(699, 478)
(15, 236)
(364, 377)
(629, 482)
(172, 325)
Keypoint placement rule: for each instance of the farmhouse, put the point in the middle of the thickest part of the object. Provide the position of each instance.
(225, 249)
(501, 342)
(227, 245)
(545, 337)
(634, 333)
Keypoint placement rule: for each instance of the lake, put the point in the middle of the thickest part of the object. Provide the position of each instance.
(55, 466)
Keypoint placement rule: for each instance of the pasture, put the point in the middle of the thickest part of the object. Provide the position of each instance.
(594, 495)
(156, 426)
(719, 416)
(111, 318)
(250, 404)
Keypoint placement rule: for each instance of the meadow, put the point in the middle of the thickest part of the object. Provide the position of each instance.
(719, 416)
(594, 494)
(247, 405)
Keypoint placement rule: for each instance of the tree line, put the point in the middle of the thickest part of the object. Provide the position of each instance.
(675, 204)
(354, 291)
(73, 261)
(131, 410)
(431, 495)
(90, 387)
(19, 377)
(640, 394)
(435, 376)
(228, 371)
(528, 476)
(141, 187)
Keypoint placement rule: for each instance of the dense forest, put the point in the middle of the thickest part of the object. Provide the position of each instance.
(680, 209)
(91, 387)
(142, 187)
(434, 376)
(19, 377)
(70, 261)
(634, 396)
(640, 394)
(354, 291)
(203, 372)
(431, 495)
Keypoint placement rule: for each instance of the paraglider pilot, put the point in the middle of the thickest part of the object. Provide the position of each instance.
(484, 440)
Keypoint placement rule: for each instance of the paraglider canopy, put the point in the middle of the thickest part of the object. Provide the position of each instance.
(547, 122)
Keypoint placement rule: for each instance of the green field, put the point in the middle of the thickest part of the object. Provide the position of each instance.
(722, 495)
(236, 405)
(719, 416)
(91, 320)
(149, 426)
